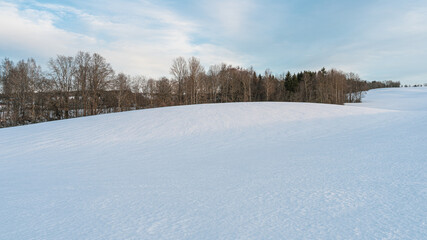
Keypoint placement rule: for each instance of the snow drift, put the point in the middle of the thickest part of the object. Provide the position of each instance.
(222, 171)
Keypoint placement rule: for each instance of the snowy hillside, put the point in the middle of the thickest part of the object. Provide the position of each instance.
(222, 171)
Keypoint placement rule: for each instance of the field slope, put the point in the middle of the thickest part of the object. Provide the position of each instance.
(222, 171)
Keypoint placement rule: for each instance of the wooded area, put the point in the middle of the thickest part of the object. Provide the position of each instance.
(86, 85)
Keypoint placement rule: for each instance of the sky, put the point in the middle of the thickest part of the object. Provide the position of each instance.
(377, 39)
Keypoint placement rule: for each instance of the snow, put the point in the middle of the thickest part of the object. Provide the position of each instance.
(222, 171)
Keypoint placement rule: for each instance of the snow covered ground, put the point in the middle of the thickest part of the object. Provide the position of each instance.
(222, 171)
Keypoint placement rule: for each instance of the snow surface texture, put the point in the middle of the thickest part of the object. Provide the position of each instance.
(222, 171)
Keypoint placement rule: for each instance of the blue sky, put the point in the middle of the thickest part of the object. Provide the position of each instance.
(378, 39)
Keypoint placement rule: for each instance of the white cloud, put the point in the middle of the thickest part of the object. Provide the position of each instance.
(144, 41)
(381, 41)
(33, 32)
(233, 16)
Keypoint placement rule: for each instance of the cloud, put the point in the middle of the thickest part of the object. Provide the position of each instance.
(32, 32)
(377, 39)
(232, 16)
(144, 41)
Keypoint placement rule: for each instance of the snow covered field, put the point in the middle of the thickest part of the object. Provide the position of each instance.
(222, 171)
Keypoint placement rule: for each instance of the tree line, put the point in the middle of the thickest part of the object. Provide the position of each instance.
(86, 84)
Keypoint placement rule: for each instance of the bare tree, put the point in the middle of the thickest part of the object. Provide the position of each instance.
(99, 78)
(196, 72)
(18, 91)
(225, 83)
(6, 74)
(62, 70)
(121, 85)
(81, 81)
(163, 92)
(213, 81)
(269, 84)
(150, 90)
(179, 70)
(35, 77)
(138, 84)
